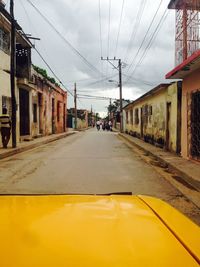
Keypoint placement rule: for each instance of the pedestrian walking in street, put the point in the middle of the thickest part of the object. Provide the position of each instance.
(5, 127)
(98, 125)
(110, 125)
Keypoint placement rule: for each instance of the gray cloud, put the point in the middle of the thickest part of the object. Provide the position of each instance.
(78, 22)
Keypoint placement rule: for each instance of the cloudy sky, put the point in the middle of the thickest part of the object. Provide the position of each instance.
(75, 34)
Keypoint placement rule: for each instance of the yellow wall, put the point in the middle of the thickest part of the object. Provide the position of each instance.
(173, 99)
(155, 129)
(81, 124)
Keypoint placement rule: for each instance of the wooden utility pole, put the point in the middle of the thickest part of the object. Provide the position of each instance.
(12, 73)
(120, 95)
(119, 68)
(75, 106)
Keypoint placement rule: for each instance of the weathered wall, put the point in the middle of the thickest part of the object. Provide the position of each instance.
(190, 84)
(59, 113)
(154, 125)
(152, 120)
(81, 124)
(173, 99)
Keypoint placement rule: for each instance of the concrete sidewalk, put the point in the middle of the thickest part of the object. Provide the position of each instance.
(27, 145)
(188, 170)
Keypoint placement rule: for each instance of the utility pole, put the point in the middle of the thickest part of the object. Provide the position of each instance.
(75, 105)
(120, 95)
(119, 68)
(12, 73)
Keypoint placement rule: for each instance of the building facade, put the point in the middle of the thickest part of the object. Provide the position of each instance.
(43, 111)
(23, 46)
(41, 103)
(188, 68)
(155, 117)
(189, 71)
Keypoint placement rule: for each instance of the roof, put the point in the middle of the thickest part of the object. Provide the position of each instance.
(188, 66)
(124, 104)
(153, 91)
(95, 231)
(189, 4)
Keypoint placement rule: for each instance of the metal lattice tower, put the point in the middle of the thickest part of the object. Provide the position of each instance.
(187, 37)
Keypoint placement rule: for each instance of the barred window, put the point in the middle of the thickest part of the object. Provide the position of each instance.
(4, 40)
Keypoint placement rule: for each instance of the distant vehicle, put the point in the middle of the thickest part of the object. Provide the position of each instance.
(95, 231)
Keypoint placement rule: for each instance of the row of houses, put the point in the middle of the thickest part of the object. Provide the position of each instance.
(169, 115)
(155, 117)
(85, 118)
(41, 103)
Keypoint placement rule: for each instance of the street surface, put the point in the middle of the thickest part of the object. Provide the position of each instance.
(88, 162)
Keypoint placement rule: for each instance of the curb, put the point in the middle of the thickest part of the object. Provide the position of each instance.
(184, 177)
(31, 146)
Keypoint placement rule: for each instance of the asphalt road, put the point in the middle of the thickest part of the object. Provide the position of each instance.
(88, 162)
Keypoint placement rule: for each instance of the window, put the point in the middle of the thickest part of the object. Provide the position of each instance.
(4, 40)
(150, 110)
(131, 112)
(136, 116)
(34, 113)
(145, 113)
(126, 116)
(6, 103)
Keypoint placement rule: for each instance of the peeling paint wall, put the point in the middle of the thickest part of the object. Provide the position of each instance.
(48, 104)
(155, 118)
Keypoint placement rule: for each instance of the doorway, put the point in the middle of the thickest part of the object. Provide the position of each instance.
(64, 118)
(53, 116)
(168, 126)
(141, 123)
(24, 112)
(195, 125)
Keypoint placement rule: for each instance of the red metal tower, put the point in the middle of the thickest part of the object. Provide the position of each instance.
(187, 28)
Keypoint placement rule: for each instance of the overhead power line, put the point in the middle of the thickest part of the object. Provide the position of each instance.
(66, 41)
(154, 37)
(145, 36)
(108, 44)
(93, 97)
(40, 55)
(163, 17)
(100, 31)
(52, 71)
(119, 28)
(135, 27)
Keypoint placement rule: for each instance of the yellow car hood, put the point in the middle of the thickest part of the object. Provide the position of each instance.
(95, 231)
